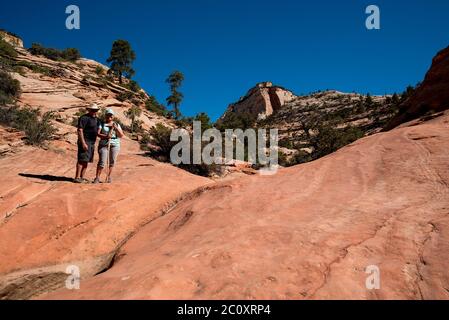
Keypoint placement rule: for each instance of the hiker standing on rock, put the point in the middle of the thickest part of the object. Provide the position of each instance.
(87, 135)
(109, 146)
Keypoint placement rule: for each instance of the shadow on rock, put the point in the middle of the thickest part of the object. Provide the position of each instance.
(46, 177)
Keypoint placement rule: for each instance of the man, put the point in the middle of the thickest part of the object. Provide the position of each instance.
(87, 135)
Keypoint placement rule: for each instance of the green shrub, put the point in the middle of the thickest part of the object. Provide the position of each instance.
(6, 64)
(296, 158)
(99, 70)
(205, 121)
(7, 50)
(104, 82)
(135, 101)
(299, 157)
(9, 88)
(50, 53)
(160, 137)
(329, 139)
(57, 73)
(282, 159)
(204, 170)
(410, 90)
(23, 118)
(184, 122)
(8, 116)
(125, 95)
(286, 144)
(33, 67)
(7, 55)
(69, 54)
(38, 129)
(368, 100)
(145, 141)
(395, 99)
(133, 86)
(235, 120)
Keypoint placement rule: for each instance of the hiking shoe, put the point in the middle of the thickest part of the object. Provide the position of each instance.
(96, 181)
(78, 180)
(109, 180)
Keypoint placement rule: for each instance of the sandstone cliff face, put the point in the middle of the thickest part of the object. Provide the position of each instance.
(261, 101)
(67, 88)
(431, 96)
(11, 39)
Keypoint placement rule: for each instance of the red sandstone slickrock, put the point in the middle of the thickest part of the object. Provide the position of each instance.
(307, 232)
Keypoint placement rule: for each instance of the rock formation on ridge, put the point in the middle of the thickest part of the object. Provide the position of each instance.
(433, 93)
(298, 118)
(261, 101)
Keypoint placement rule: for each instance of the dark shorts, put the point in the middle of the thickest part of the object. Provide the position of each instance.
(86, 156)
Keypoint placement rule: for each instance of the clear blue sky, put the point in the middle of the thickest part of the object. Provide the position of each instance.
(224, 47)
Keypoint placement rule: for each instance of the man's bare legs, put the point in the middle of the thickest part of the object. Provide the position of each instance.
(80, 170)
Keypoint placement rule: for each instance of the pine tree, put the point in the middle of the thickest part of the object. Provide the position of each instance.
(121, 59)
(175, 80)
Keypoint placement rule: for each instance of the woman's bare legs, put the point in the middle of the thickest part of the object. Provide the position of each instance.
(99, 171)
(109, 173)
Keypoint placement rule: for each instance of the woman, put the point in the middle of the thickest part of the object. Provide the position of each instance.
(110, 134)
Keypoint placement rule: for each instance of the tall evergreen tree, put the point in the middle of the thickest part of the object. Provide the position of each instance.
(175, 80)
(121, 59)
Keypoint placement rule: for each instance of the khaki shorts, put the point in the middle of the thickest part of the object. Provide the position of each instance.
(103, 153)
